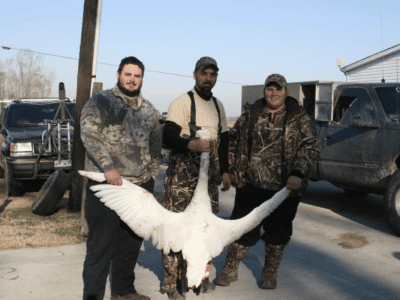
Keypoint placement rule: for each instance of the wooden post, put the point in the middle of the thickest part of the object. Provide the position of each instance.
(86, 55)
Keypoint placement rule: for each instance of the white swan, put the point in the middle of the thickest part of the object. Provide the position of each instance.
(196, 231)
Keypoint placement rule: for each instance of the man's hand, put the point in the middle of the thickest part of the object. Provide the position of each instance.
(200, 145)
(226, 181)
(113, 177)
(293, 183)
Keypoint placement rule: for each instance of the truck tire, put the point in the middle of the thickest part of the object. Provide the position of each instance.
(392, 203)
(353, 193)
(51, 193)
(12, 187)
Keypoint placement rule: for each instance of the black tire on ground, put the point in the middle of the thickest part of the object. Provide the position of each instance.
(392, 203)
(12, 187)
(353, 193)
(51, 193)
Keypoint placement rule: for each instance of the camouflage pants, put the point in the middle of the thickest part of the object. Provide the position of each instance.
(179, 185)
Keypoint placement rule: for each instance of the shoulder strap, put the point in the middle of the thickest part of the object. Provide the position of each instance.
(192, 123)
(219, 116)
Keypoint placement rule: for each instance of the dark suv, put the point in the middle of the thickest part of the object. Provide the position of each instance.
(36, 139)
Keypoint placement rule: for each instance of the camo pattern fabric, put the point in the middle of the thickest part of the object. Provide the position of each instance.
(273, 258)
(230, 272)
(265, 168)
(116, 136)
(182, 175)
(300, 150)
(171, 272)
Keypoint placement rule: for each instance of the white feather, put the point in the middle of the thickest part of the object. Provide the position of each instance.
(198, 233)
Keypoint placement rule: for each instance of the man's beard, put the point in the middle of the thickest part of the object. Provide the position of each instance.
(126, 92)
(205, 89)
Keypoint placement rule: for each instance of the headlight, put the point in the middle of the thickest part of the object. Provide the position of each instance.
(21, 149)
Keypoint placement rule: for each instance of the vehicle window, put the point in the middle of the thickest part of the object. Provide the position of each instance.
(351, 103)
(341, 107)
(33, 115)
(390, 99)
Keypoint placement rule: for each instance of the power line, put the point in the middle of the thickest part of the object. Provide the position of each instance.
(73, 58)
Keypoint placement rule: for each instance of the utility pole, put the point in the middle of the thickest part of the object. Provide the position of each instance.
(87, 62)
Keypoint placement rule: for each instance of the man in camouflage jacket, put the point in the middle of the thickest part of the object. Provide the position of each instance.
(272, 145)
(183, 170)
(122, 136)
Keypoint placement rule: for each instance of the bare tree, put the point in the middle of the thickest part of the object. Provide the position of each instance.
(2, 81)
(25, 76)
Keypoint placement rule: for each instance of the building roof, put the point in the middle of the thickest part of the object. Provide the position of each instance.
(371, 58)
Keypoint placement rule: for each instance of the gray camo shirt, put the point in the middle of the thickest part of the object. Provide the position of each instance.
(117, 136)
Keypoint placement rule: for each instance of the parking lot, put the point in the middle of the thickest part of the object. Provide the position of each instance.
(342, 248)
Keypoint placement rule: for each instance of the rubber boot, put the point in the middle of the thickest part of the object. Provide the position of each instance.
(206, 286)
(175, 295)
(236, 253)
(273, 258)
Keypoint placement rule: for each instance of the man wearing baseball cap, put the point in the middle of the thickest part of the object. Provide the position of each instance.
(197, 109)
(273, 144)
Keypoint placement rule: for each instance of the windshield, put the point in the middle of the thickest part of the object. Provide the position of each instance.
(35, 115)
(390, 99)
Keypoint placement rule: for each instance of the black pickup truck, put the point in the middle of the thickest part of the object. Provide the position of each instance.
(360, 145)
(36, 140)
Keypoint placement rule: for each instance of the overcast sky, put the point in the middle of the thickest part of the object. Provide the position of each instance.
(299, 39)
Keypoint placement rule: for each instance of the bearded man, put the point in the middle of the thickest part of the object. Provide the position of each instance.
(122, 136)
(197, 108)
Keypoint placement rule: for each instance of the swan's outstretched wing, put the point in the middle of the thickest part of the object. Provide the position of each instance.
(228, 231)
(142, 213)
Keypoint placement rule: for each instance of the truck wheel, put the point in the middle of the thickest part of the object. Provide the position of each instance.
(392, 203)
(51, 193)
(12, 187)
(353, 193)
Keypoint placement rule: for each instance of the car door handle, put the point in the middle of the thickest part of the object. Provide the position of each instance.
(327, 137)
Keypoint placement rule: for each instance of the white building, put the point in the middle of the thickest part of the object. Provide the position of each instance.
(382, 65)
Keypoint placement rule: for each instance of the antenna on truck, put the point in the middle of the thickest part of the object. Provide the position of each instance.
(383, 62)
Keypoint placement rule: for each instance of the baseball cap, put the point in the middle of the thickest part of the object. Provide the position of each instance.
(205, 62)
(276, 78)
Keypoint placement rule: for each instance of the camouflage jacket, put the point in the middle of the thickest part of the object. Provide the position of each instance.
(300, 149)
(117, 136)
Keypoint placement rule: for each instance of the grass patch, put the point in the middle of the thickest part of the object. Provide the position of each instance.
(20, 228)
